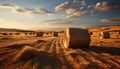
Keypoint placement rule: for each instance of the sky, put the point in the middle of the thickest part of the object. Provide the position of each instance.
(46, 14)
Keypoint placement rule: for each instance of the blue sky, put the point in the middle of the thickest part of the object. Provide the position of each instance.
(44, 14)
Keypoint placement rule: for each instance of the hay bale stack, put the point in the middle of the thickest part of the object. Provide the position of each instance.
(76, 38)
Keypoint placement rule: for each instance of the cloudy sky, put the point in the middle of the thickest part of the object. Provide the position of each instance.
(41, 14)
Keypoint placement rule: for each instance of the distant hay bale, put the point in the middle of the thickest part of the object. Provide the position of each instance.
(40, 34)
(26, 53)
(91, 33)
(76, 38)
(56, 34)
(114, 34)
(104, 35)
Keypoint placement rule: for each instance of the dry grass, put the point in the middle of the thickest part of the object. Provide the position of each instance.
(27, 53)
(35, 55)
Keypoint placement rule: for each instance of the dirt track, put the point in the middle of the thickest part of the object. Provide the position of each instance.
(50, 53)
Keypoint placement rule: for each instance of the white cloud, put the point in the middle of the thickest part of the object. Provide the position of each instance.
(42, 10)
(77, 13)
(72, 8)
(80, 13)
(63, 6)
(8, 6)
(105, 20)
(57, 22)
(105, 6)
(113, 20)
(68, 7)
(70, 11)
(26, 11)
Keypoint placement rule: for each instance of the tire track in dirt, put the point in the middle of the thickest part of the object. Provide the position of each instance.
(48, 45)
(50, 48)
(53, 46)
(44, 46)
(40, 44)
(66, 59)
(55, 49)
(57, 45)
(61, 46)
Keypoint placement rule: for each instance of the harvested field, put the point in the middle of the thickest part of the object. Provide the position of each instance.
(49, 53)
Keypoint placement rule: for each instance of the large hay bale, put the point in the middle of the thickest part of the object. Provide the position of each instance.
(76, 38)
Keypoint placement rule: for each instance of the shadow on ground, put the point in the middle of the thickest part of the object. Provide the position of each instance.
(103, 49)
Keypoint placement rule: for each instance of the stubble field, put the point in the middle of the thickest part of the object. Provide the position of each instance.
(49, 53)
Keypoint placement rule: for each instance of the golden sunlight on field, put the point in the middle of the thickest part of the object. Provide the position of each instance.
(50, 53)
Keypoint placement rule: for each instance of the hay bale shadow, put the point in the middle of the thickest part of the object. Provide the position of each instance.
(104, 49)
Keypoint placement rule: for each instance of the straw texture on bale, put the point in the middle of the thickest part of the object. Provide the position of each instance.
(76, 38)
